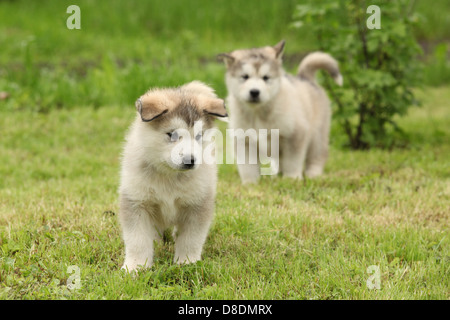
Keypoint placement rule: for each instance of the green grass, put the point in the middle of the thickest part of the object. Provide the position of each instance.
(434, 25)
(125, 47)
(71, 95)
(281, 239)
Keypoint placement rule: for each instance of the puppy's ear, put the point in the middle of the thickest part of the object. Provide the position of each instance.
(150, 108)
(279, 48)
(215, 107)
(227, 58)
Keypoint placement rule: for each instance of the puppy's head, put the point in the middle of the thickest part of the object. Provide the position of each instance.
(253, 75)
(172, 123)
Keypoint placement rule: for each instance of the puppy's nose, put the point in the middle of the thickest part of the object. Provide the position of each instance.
(254, 93)
(189, 161)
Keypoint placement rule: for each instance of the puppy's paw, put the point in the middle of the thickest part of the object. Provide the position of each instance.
(186, 259)
(249, 181)
(134, 267)
(313, 172)
(295, 175)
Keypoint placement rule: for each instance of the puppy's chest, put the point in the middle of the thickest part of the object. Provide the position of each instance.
(170, 199)
(283, 124)
(165, 205)
(269, 123)
(166, 210)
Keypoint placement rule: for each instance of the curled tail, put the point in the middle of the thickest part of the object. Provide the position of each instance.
(319, 60)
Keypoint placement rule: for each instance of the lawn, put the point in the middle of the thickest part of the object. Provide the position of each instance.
(71, 95)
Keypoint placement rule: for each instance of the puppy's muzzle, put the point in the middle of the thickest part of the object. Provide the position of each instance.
(189, 162)
(254, 95)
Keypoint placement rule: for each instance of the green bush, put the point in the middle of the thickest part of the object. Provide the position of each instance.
(379, 66)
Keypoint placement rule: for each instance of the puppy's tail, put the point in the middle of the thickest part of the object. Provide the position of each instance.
(319, 60)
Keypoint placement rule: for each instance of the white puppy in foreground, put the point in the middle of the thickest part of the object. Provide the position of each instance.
(164, 183)
(261, 95)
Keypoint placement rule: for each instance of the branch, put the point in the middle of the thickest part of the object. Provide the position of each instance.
(362, 36)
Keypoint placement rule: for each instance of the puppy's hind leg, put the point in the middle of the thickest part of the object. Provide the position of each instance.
(316, 157)
(293, 156)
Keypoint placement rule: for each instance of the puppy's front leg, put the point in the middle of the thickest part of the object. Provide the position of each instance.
(138, 234)
(191, 231)
(247, 161)
(249, 173)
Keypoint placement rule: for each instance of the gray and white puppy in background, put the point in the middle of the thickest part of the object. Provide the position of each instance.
(261, 95)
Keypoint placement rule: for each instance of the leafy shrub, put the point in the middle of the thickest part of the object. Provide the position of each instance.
(379, 66)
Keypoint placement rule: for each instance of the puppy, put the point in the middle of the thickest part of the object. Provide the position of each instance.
(164, 181)
(261, 95)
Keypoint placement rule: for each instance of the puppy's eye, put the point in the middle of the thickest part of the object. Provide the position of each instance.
(245, 76)
(173, 136)
(265, 78)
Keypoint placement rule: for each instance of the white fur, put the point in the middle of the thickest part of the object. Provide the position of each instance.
(155, 194)
(300, 109)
